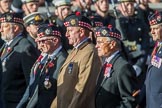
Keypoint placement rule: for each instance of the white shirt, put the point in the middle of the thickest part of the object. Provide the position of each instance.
(55, 52)
(108, 59)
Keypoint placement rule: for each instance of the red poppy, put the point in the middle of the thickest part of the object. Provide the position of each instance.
(77, 13)
(107, 70)
(50, 64)
(109, 65)
(9, 49)
(39, 58)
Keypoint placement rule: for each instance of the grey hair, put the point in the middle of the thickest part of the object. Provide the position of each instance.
(118, 42)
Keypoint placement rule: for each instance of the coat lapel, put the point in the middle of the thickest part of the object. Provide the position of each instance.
(74, 52)
(102, 79)
(14, 42)
(1, 50)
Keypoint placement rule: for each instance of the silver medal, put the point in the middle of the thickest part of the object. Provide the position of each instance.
(47, 83)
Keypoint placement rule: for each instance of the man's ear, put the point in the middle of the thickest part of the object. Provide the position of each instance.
(15, 28)
(82, 31)
(23, 7)
(113, 44)
(28, 29)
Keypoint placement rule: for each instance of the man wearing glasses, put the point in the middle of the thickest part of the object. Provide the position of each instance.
(43, 79)
(116, 84)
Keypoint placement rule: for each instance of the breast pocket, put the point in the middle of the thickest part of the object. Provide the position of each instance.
(72, 70)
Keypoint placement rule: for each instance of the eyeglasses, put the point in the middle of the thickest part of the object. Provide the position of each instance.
(43, 41)
(102, 42)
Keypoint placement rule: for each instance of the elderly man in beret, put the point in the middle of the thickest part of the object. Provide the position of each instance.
(17, 56)
(4, 7)
(77, 78)
(30, 6)
(153, 84)
(43, 79)
(116, 84)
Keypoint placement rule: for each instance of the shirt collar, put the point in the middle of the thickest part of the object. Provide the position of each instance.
(81, 42)
(44, 57)
(108, 59)
(55, 52)
(9, 42)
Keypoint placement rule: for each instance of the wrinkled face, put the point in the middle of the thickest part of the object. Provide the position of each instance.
(73, 35)
(103, 45)
(129, 7)
(103, 5)
(7, 31)
(30, 7)
(32, 29)
(156, 32)
(63, 11)
(47, 45)
(5, 5)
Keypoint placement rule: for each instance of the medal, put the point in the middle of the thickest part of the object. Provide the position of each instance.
(70, 68)
(107, 70)
(47, 83)
(156, 61)
(4, 62)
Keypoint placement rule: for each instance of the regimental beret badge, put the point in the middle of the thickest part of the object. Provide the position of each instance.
(48, 31)
(104, 32)
(73, 22)
(38, 18)
(8, 18)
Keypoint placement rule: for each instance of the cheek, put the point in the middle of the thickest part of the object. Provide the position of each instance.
(105, 48)
(160, 32)
(6, 30)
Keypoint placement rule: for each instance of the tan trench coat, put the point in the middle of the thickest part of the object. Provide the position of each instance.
(77, 79)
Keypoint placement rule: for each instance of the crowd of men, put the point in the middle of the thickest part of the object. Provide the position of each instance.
(77, 57)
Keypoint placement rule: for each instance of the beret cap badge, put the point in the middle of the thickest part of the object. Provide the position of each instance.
(9, 18)
(73, 22)
(104, 32)
(47, 31)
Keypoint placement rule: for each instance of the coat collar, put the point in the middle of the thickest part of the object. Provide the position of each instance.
(75, 51)
(12, 45)
(102, 79)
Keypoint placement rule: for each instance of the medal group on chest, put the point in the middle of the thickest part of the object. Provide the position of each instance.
(156, 57)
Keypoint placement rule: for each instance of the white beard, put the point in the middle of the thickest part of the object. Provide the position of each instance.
(8, 37)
